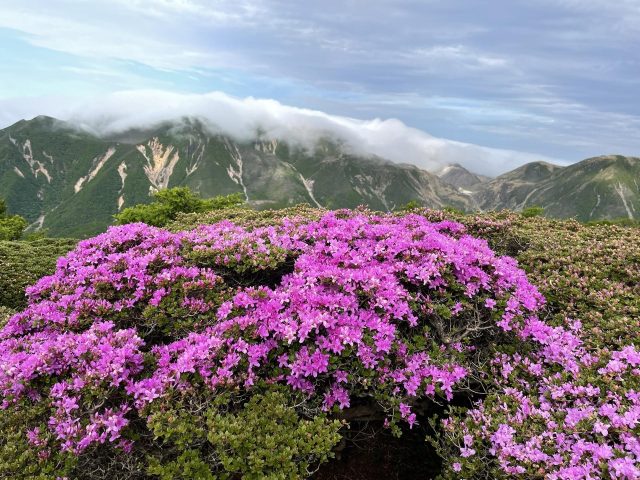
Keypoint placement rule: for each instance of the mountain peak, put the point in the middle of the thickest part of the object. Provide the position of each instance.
(41, 123)
(459, 177)
(72, 183)
(612, 159)
(531, 172)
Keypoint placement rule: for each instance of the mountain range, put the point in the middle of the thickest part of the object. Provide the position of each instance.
(71, 182)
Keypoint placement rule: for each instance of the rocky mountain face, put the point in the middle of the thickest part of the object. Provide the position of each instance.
(461, 178)
(605, 187)
(511, 190)
(72, 182)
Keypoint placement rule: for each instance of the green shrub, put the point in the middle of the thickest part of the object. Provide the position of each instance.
(167, 204)
(268, 439)
(412, 205)
(11, 226)
(23, 263)
(245, 217)
(263, 438)
(533, 211)
(453, 210)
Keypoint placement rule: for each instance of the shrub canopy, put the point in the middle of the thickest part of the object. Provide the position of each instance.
(168, 203)
(155, 353)
(11, 226)
(352, 307)
(542, 421)
(22, 263)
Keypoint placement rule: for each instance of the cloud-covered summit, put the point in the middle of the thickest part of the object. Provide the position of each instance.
(555, 77)
(243, 118)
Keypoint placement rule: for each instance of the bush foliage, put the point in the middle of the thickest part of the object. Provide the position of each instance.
(22, 263)
(245, 349)
(11, 226)
(533, 211)
(167, 204)
(545, 422)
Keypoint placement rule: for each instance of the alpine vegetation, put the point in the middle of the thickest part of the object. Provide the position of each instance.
(154, 353)
(351, 308)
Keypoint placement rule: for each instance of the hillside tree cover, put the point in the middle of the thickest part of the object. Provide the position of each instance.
(155, 353)
(168, 203)
(11, 226)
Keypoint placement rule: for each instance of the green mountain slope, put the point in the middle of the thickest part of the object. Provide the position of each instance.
(605, 187)
(72, 182)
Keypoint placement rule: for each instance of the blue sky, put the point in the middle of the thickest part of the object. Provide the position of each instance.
(557, 78)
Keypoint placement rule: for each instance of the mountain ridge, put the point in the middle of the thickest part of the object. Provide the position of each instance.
(602, 187)
(71, 181)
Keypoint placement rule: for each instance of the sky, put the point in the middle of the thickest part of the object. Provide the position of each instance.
(554, 79)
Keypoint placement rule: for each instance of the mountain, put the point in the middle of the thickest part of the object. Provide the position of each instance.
(605, 187)
(511, 190)
(72, 182)
(461, 178)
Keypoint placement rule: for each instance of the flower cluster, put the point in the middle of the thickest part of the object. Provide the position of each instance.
(350, 306)
(570, 408)
(557, 424)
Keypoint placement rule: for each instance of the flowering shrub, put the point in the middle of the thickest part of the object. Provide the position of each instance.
(543, 421)
(352, 308)
(156, 353)
(546, 423)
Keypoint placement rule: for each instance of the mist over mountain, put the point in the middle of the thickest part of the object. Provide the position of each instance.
(71, 178)
(71, 181)
(248, 118)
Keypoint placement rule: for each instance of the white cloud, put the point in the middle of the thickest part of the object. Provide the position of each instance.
(242, 118)
(139, 31)
(556, 76)
(463, 57)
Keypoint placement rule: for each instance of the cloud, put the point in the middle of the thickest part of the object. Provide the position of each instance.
(557, 77)
(437, 57)
(242, 118)
(163, 34)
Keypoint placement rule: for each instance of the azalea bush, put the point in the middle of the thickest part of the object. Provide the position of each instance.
(351, 309)
(542, 421)
(247, 347)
